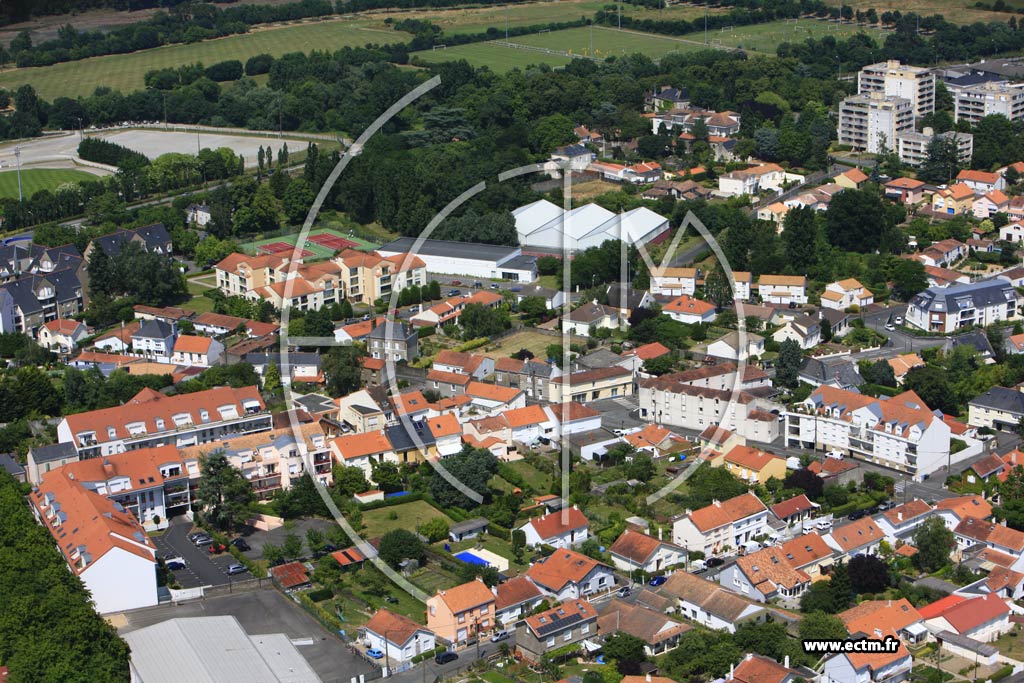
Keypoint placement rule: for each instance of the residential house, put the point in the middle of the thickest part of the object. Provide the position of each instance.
(152, 238)
(764, 575)
(905, 190)
(198, 214)
(805, 330)
(32, 299)
(102, 543)
(773, 213)
(565, 528)
(903, 364)
(364, 450)
(981, 181)
(840, 372)
(846, 293)
(514, 599)
(948, 309)
(754, 466)
(851, 179)
(477, 367)
(665, 98)
(397, 636)
(754, 180)
(569, 158)
(668, 281)
(458, 614)
(657, 441)
(646, 352)
(983, 619)
(553, 298)
(368, 276)
(366, 410)
(972, 531)
(954, 201)
(874, 617)
(955, 510)
(393, 341)
(944, 277)
(217, 324)
(155, 340)
(62, 335)
(900, 522)
(990, 203)
(756, 668)
(592, 315)
(493, 398)
(835, 471)
(944, 253)
(42, 459)
(998, 408)
(686, 309)
(625, 299)
(296, 366)
(531, 376)
(658, 632)
(723, 524)
(9, 464)
(782, 289)
(567, 624)
(870, 667)
(569, 575)
(794, 510)
(709, 604)
(810, 554)
(591, 385)
(643, 173)
(198, 351)
(1012, 232)
(153, 419)
(729, 346)
(861, 537)
(118, 340)
(634, 550)
(447, 434)
(901, 433)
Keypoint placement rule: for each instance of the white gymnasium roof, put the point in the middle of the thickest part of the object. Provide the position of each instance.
(542, 223)
(214, 650)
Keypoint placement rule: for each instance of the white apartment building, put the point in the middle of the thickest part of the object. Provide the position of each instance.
(946, 309)
(721, 525)
(153, 419)
(842, 294)
(974, 103)
(782, 289)
(901, 433)
(869, 121)
(673, 281)
(892, 79)
(912, 147)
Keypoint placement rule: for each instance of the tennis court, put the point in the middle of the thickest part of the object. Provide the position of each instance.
(331, 241)
(281, 248)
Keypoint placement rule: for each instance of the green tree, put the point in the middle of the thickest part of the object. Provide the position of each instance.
(341, 369)
(942, 162)
(349, 480)
(272, 380)
(908, 278)
(223, 494)
(261, 215)
(473, 468)
(934, 542)
(660, 365)
(868, 574)
(400, 544)
(856, 220)
(292, 546)
(627, 651)
(533, 309)
(821, 626)
(840, 587)
(315, 540)
(800, 238)
(435, 529)
(718, 288)
(480, 321)
(387, 476)
(818, 598)
(298, 197)
(787, 366)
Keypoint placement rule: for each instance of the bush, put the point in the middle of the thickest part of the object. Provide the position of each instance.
(473, 344)
(321, 594)
(424, 332)
(1002, 673)
(258, 64)
(110, 153)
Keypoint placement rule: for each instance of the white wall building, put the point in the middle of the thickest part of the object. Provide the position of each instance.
(974, 103)
(914, 83)
(444, 257)
(544, 225)
(721, 525)
(869, 121)
(946, 309)
(397, 636)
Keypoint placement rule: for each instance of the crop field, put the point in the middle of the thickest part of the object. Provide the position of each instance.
(33, 180)
(126, 72)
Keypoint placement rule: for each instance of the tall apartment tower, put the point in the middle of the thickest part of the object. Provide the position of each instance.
(869, 121)
(975, 102)
(914, 83)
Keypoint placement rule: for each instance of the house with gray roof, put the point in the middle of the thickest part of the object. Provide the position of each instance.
(947, 309)
(977, 340)
(153, 238)
(998, 408)
(841, 372)
(12, 466)
(155, 339)
(394, 340)
(42, 459)
(31, 301)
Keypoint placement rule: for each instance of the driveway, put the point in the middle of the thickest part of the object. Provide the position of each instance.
(266, 611)
(203, 569)
(258, 539)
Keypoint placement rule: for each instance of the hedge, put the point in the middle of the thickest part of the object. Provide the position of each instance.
(428, 654)
(1002, 673)
(321, 594)
(424, 332)
(473, 344)
(388, 502)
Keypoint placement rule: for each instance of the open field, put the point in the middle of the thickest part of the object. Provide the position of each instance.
(524, 339)
(33, 180)
(126, 72)
(956, 11)
(408, 516)
(495, 57)
(325, 250)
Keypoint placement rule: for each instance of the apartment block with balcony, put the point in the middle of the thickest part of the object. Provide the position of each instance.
(912, 147)
(870, 121)
(974, 103)
(947, 309)
(893, 79)
(370, 276)
(900, 433)
(153, 419)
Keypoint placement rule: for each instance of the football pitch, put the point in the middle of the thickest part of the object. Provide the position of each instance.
(36, 179)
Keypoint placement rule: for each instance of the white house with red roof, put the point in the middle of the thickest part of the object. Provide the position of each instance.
(567, 575)
(992, 202)
(397, 636)
(198, 351)
(687, 309)
(62, 334)
(515, 598)
(870, 667)
(795, 509)
(983, 619)
(899, 522)
(633, 550)
(476, 366)
(102, 543)
(561, 529)
(981, 181)
(723, 524)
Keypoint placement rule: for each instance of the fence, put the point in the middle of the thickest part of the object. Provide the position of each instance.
(255, 583)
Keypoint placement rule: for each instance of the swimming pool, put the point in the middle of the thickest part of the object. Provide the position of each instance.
(470, 558)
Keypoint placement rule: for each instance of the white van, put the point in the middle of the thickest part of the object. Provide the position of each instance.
(808, 526)
(823, 524)
(774, 539)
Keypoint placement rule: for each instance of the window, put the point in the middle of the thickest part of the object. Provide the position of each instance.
(568, 636)
(551, 642)
(462, 619)
(585, 628)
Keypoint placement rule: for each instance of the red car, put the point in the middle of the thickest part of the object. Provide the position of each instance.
(456, 282)
(217, 548)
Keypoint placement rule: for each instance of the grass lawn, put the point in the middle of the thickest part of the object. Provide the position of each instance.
(126, 72)
(1011, 644)
(36, 179)
(408, 516)
(956, 11)
(539, 481)
(495, 57)
(496, 677)
(198, 303)
(524, 339)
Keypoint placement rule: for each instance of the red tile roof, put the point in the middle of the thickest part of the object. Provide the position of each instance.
(290, 575)
(856, 534)
(907, 512)
(719, 514)
(192, 344)
(560, 522)
(648, 351)
(792, 506)
(968, 615)
(688, 305)
(348, 556)
(978, 176)
(396, 628)
(562, 567)
(515, 592)
(638, 547)
(753, 459)
(456, 378)
(467, 596)
(934, 609)
(359, 445)
(760, 669)
(492, 392)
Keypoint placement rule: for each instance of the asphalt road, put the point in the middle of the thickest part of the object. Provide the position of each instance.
(899, 342)
(202, 568)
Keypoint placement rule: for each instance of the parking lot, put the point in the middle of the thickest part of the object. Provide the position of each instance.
(265, 611)
(203, 569)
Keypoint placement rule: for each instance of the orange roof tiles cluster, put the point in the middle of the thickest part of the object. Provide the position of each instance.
(352, 446)
(563, 521)
(753, 459)
(562, 567)
(720, 513)
(857, 534)
(467, 596)
(768, 568)
(397, 628)
(290, 575)
(637, 547)
(874, 616)
(686, 304)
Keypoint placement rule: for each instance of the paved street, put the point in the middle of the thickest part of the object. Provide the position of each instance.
(203, 569)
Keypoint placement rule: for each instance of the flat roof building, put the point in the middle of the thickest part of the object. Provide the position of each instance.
(915, 83)
(445, 257)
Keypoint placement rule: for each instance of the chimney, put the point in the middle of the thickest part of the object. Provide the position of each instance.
(659, 533)
(899, 516)
(731, 670)
(648, 677)
(717, 503)
(785, 662)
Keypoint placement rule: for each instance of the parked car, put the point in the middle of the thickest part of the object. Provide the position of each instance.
(624, 591)
(713, 562)
(235, 568)
(887, 505)
(216, 548)
(203, 541)
(445, 657)
(241, 544)
(857, 514)
(374, 653)
(500, 636)
(173, 563)
(196, 536)
(478, 284)
(890, 327)
(898, 320)
(391, 599)
(495, 285)
(823, 524)
(454, 292)
(456, 282)
(657, 580)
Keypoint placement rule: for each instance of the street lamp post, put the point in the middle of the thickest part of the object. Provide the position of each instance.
(17, 157)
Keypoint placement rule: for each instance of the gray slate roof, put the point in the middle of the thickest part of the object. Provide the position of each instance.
(974, 295)
(57, 451)
(462, 250)
(835, 371)
(12, 466)
(1001, 399)
(154, 329)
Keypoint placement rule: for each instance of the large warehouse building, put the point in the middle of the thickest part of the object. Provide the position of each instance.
(544, 225)
(465, 258)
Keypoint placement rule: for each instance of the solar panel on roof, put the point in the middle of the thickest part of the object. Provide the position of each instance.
(559, 624)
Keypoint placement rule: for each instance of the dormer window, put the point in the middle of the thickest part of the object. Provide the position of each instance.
(182, 419)
(111, 433)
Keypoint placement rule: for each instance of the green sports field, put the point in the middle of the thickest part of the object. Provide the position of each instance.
(317, 251)
(33, 180)
(126, 72)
